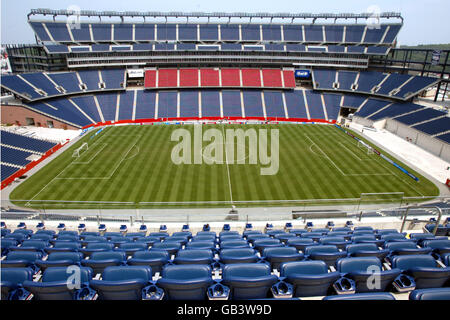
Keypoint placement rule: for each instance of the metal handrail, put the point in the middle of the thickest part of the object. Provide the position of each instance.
(423, 207)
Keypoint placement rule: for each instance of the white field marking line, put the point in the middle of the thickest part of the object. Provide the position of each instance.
(56, 177)
(92, 157)
(326, 156)
(351, 152)
(344, 174)
(117, 166)
(228, 169)
(354, 153)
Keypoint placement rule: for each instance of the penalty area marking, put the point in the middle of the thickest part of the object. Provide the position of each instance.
(124, 157)
(56, 177)
(337, 167)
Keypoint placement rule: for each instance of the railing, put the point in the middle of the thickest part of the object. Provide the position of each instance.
(211, 211)
(425, 221)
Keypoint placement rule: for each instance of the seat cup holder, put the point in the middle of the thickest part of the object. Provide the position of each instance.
(218, 292)
(152, 292)
(282, 290)
(404, 283)
(344, 286)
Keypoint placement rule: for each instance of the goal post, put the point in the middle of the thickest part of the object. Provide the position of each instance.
(78, 151)
(365, 146)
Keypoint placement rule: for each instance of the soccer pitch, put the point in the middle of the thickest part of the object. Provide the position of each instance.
(133, 164)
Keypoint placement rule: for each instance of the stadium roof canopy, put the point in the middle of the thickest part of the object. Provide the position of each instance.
(241, 15)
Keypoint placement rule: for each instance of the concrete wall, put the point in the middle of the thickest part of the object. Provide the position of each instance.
(17, 115)
(363, 121)
(423, 140)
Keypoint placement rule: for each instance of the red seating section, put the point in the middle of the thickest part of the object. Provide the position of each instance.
(150, 78)
(289, 78)
(272, 78)
(251, 78)
(209, 77)
(188, 77)
(215, 77)
(231, 77)
(167, 78)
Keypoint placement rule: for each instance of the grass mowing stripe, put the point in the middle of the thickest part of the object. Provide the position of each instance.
(149, 175)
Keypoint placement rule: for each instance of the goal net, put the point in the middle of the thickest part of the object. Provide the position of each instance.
(365, 147)
(77, 152)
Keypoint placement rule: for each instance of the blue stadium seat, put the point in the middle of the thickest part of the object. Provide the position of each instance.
(405, 248)
(301, 243)
(18, 237)
(131, 247)
(170, 247)
(393, 237)
(12, 280)
(6, 244)
(179, 239)
(262, 244)
(123, 282)
(430, 294)
(149, 240)
(367, 239)
(309, 278)
(241, 255)
(362, 269)
(201, 245)
(284, 237)
(84, 234)
(424, 269)
(54, 285)
(96, 247)
(386, 231)
(440, 247)
(366, 250)
(31, 245)
(248, 280)
(255, 236)
(119, 240)
(327, 253)
(185, 282)
(59, 246)
(98, 261)
(41, 236)
(339, 242)
(60, 259)
(362, 296)
(279, 255)
(194, 256)
(156, 259)
(312, 235)
(21, 259)
(234, 244)
(231, 236)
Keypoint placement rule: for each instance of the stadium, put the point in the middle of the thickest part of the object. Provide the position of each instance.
(223, 156)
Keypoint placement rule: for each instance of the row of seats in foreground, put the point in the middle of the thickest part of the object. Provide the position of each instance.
(237, 281)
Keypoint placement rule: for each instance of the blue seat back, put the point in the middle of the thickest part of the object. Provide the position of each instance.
(12, 278)
(185, 282)
(74, 257)
(360, 264)
(321, 249)
(352, 248)
(248, 280)
(412, 261)
(430, 294)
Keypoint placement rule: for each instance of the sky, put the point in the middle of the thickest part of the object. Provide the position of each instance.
(426, 21)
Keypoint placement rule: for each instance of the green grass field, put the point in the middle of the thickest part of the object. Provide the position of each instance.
(133, 164)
